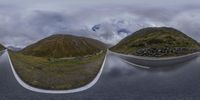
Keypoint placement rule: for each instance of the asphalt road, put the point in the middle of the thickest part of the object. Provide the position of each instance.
(119, 81)
(154, 62)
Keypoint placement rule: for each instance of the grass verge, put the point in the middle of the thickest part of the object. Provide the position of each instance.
(56, 74)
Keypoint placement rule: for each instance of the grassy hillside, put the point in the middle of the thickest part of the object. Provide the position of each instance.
(58, 46)
(157, 42)
(55, 73)
(1, 47)
(59, 62)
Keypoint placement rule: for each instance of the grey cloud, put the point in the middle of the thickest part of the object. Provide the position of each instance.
(21, 27)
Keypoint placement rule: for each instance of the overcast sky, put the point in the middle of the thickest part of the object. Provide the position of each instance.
(23, 22)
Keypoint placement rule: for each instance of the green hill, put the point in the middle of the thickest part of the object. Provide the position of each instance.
(157, 42)
(59, 62)
(2, 47)
(59, 46)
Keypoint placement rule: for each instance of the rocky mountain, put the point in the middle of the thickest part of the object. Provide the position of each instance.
(157, 42)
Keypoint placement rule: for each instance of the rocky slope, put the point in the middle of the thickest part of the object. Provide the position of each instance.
(157, 42)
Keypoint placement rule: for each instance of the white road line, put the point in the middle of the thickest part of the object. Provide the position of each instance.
(23, 84)
(155, 58)
(135, 64)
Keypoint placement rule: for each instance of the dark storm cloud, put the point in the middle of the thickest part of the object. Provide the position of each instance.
(23, 23)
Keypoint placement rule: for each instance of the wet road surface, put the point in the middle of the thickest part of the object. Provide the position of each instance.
(119, 81)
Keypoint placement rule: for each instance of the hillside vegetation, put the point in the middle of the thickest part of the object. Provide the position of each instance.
(1, 47)
(57, 74)
(58, 46)
(157, 42)
(59, 62)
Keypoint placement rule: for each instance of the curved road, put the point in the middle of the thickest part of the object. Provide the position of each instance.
(35, 89)
(154, 62)
(119, 81)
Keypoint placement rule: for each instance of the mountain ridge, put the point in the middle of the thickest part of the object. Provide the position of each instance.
(62, 45)
(1, 47)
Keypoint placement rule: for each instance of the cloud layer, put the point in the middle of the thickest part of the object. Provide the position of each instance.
(27, 22)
